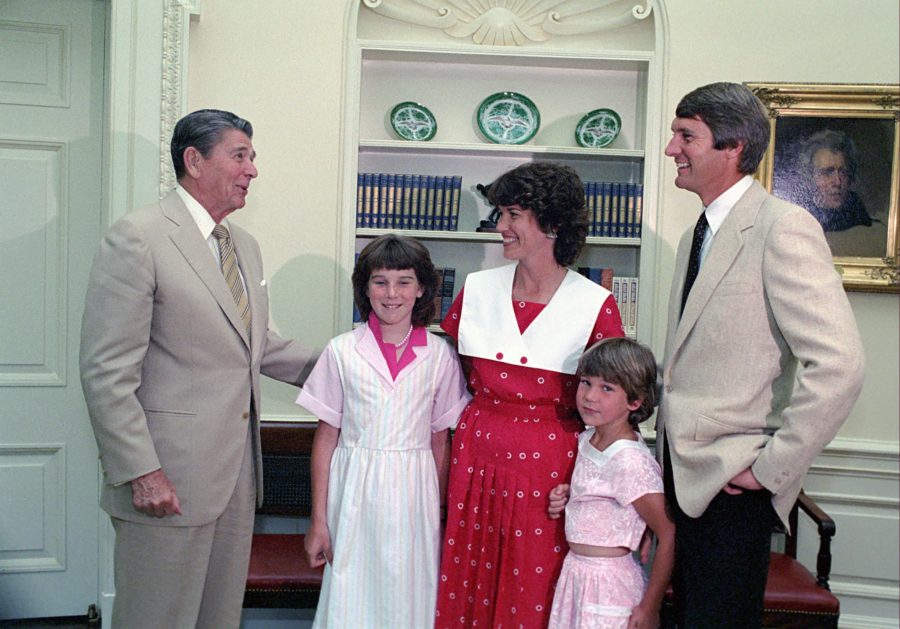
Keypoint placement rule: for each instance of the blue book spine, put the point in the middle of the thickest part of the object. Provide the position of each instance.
(629, 215)
(375, 210)
(368, 196)
(390, 205)
(623, 210)
(447, 286)
(441, 198)
(403, 207)
(605, 208)
(360, 197)
(455, 193)
(415, 186)
(638, 208)
(427, 208)
(590, 199)
(614, 209)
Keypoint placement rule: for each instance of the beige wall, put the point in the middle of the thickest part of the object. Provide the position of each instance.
(281, 63)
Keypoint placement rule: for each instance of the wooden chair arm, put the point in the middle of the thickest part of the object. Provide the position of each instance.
(826, 527)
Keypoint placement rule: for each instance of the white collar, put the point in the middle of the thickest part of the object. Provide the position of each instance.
(718, 210)
(204, 221)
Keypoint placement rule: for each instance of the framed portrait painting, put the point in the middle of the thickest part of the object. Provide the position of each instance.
(835, 150)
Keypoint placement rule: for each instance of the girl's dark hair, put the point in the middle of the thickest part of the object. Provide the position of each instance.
(628, 364)
(396, 253)
(555, 194)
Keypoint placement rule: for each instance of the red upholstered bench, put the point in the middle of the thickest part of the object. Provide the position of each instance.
(794, 598)
(279, 575)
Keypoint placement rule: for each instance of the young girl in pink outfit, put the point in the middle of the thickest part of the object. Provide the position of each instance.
(386, 395)
(616, 492)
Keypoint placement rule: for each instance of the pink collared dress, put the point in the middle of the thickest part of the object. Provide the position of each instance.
(383, 503)
(600, 592)
(515, 441)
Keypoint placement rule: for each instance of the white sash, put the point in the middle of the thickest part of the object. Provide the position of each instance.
(554, 340)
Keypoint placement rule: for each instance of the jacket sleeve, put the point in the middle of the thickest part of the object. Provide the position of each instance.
(814, 317)
(115, 336)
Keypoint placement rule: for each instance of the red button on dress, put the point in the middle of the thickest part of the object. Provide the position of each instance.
(499, 355)
(523, 360)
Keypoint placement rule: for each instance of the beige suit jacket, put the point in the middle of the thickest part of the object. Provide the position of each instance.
(766, 361)
(169, 374)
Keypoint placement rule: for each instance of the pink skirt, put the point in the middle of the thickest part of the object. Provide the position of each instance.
(597, 592)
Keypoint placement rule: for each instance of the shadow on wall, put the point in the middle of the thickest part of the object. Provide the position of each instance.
(302, 299)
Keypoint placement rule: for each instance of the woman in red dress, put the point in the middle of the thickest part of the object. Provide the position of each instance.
(520, 330)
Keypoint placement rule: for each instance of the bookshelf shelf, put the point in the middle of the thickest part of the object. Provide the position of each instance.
(474, 149)
(423, 234)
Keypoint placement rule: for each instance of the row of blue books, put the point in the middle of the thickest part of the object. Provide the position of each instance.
(614, 209)
(389, 201)
(443, 298)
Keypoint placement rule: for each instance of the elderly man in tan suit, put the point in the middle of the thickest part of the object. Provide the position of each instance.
(174, 338)
(763, 360)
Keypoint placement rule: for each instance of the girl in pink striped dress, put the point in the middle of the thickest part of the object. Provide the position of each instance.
(616, 492)
(386, 395)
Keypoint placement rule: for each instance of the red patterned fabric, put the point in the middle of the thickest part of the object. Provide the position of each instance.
(516, 440)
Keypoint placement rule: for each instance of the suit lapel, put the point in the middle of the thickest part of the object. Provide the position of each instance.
(725, 248)
(186, 237)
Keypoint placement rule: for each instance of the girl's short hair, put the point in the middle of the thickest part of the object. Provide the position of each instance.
(628, 364)
(396, 253)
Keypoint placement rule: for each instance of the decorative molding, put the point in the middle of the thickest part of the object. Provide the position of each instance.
(504, 23)
(856, 621)
(865, 590)
(172, 102)
(854, 500)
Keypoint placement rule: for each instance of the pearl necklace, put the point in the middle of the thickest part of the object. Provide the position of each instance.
(405, 338)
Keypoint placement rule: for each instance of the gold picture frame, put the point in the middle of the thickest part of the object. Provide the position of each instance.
(835, 149)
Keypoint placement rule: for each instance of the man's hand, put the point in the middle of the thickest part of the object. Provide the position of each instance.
(154, 494)
(744, 480)
(559, 496)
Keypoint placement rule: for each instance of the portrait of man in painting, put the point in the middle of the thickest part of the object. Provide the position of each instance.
(840, 170)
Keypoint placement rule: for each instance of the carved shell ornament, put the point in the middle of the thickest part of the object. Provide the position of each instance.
(513, 22)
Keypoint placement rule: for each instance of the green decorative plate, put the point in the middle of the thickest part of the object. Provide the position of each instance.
(412, 121)
(508, 118)
(598, 128)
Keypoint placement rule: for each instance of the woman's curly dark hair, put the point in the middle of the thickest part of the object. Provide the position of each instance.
(555, 194)
(396, 253)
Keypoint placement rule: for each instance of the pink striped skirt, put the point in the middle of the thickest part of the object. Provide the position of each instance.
(597, 592)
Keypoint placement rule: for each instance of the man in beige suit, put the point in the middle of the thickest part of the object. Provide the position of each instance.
(174, 338)
(763, 360)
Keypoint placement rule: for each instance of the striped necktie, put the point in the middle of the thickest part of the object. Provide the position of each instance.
(230, 271)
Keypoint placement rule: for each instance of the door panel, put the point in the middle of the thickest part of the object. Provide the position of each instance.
(51, 116)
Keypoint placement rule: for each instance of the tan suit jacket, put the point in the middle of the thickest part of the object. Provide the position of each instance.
(169, 374)
(766, 361)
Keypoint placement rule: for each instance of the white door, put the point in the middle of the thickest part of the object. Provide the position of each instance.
(51, 119)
